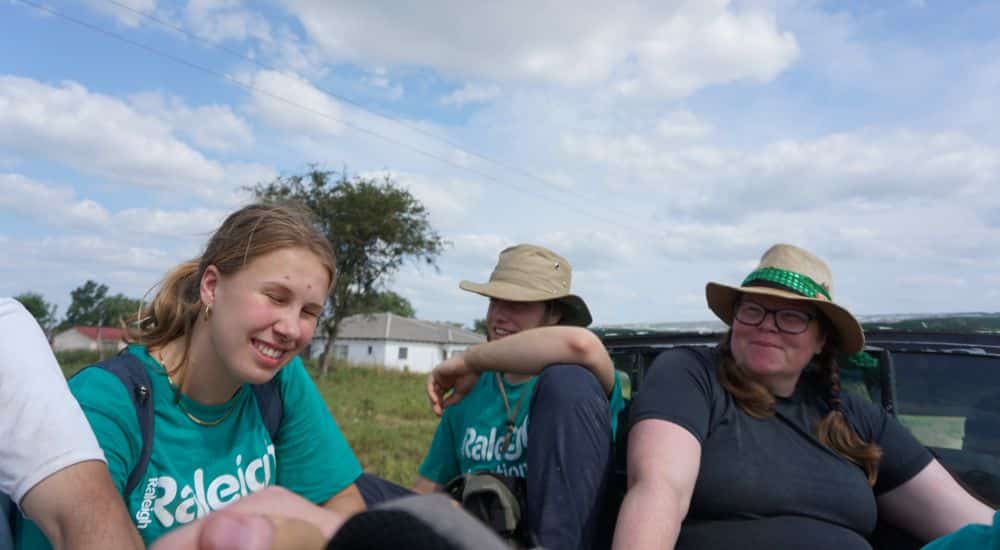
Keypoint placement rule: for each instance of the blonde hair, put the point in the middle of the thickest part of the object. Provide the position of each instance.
(833, 430)
(245, 235)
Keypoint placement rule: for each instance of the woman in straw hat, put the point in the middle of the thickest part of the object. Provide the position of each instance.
(753, 444)
(533, 325)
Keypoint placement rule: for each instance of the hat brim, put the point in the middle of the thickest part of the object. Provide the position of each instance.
(575, 310)
(721, 299)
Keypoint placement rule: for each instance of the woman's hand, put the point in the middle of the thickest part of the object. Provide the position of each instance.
(451, 375)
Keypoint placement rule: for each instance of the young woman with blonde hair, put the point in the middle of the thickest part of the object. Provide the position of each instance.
(235, 317)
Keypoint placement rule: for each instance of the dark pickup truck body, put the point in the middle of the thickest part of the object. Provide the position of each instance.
(944, 387)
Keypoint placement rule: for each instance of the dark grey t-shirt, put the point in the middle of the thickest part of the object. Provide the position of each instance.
(769, 483)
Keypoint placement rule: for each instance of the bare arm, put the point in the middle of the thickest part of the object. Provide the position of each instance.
(527, 352)
(932, 504)
(56, 505)
(423, 485)
(347, 502)
(663, 462)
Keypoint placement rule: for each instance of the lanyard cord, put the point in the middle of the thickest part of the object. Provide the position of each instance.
(511, 414)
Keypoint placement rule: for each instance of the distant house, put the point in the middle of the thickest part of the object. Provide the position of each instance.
(397, 342)
(88, 338)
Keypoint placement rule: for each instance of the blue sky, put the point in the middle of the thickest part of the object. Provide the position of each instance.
(658, 145)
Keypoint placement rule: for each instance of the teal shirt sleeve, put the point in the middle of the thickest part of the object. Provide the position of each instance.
(441, 463)
(314, 459)
(111, 414)
(109, 409)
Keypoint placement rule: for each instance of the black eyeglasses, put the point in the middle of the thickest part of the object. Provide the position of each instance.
(791, 321)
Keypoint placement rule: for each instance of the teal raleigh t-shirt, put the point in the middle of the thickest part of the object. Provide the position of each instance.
(195, 469)
(469, 437)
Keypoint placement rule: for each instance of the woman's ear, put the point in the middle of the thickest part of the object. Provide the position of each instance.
(209, 285)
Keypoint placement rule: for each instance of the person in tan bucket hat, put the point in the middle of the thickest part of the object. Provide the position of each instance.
(530, 273)
(537, 405)
(753, 445)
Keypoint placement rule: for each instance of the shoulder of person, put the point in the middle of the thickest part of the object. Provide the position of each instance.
(92, 383)
(697, 359)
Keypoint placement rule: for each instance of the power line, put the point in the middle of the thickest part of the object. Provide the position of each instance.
(252, 88)
(340, 97)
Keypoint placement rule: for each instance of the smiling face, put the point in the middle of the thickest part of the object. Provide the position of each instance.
(772, 357)
(504, 317)
(264, 314)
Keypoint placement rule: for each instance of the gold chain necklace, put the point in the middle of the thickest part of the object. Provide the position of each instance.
(180, 405)
(191, 415)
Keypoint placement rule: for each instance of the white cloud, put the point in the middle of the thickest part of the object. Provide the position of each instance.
(664, 49)
(447, 200)
(221, 20)
(932, 280)
(100, 135)
(56, 205)
(856, 170)
(682, 126)
(125, 15)
(59, 207)
(289, 103)
(472, 93)
(196, 224)
(95, 252)
(380, 79)
(213, 127)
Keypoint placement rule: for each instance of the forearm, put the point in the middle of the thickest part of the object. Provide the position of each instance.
(649, 520)
(530, 351)
(932, 505)
(102, 522)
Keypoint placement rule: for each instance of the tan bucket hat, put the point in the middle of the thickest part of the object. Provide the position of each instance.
(790, 272)
(530, 273)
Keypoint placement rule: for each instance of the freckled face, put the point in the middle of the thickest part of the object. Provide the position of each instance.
(265, 314)
(770, 354)
(504, 317)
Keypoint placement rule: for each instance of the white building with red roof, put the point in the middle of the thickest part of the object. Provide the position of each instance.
(88, 338)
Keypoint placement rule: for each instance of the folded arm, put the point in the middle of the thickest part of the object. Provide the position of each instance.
(528, 353)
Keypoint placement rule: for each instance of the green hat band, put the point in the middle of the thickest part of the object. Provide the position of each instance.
(796, 282)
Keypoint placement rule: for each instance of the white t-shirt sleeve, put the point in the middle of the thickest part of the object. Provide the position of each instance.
(42, 428)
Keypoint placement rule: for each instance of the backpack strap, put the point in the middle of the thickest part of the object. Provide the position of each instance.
(270, 404)
(132, 374)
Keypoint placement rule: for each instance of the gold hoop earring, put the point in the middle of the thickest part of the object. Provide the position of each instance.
(208, 311)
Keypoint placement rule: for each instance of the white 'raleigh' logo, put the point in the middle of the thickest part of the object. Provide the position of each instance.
(199, 498)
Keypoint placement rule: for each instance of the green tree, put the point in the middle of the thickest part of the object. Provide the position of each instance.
(40, 309)
(90, 305)
(374, 226)
(84, 306)
(479, 325)
(118, 308)
(384, 302)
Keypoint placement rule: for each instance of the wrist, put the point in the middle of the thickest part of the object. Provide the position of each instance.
(471, 358)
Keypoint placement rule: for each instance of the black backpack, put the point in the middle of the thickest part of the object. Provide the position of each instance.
(496, 500)
(132, 373)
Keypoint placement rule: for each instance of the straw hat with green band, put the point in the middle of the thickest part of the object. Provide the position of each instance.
(790, 272)
(530, 273)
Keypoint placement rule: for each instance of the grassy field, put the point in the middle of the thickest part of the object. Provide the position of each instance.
(383, 414)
